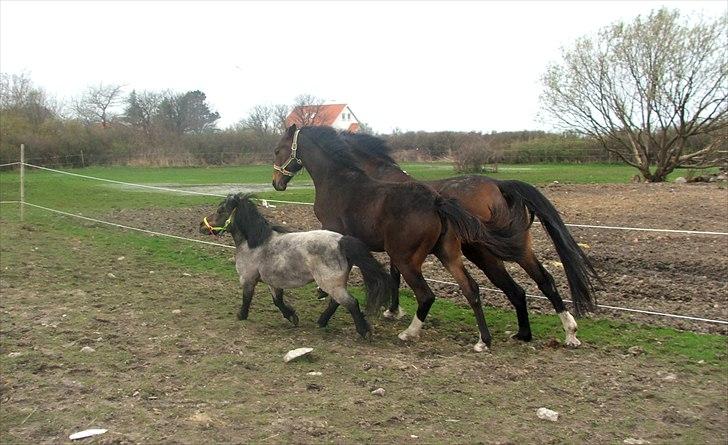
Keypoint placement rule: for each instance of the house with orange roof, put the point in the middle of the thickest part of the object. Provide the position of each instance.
(338, 116)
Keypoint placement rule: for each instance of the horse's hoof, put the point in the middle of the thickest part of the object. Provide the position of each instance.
(572, 341)
(242, 316)
(394, 315)
(522, 336)
(480, 346)
(406, 336)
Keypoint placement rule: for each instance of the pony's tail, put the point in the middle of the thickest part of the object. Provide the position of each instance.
(376, 280)
(503, 236)
(579, 271)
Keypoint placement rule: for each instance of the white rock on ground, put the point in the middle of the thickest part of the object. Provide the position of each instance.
(378, 392)
(87, 433)
(88, 349)
(547, 414)
(632, 441)
(296, 353)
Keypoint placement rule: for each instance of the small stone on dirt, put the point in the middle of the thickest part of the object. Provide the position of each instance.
(636, 350)
(633, 441)
(414, 437)
(294, 354)
(185, 274)
(121, 258)
(15, 354)
(87, 349)
(584, 245)
(680, 180)
(110, 275)
(314, 373)
(177, 311)
(670, 377)
(379, 392)
(547, 414)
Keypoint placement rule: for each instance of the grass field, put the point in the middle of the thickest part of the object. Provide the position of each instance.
(53, 189)
(200, 375)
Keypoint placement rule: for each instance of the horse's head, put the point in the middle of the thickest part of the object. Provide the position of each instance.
(286, 162)
(220, 221)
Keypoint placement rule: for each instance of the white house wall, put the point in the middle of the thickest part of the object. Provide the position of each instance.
(344, 119)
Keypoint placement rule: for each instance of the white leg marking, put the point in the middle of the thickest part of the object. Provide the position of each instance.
(413, 331)
(480, 346)
(395, 316)
(570, 328)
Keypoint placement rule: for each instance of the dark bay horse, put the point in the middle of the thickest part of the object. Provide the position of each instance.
(478, 195)
(283, 260)
(408, 220)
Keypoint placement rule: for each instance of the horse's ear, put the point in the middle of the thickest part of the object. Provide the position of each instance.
(231, 201)
(291, 130)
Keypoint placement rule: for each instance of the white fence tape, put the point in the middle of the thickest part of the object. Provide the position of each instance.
(167, 235)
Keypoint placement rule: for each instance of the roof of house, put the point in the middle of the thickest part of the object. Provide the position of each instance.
(325, 114)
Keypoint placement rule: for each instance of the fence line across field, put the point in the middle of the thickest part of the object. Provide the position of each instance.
(190, 192)
(227, 246)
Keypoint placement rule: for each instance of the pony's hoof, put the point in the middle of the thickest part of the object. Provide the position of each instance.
(481, 346)
(522, 336)
(572, 341)
(407, 336)
(394, 315)
(293, 318)
(242, 316)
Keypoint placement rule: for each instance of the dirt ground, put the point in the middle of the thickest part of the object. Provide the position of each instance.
(662, 272)
(170, 363)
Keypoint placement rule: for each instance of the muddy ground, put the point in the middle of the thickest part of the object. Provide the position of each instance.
(169, 363)
(662, 272)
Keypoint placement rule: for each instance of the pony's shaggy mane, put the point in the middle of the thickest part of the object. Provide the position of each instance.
(370, 146)
(250, 223)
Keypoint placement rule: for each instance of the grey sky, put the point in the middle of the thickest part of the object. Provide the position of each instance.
(409, 65)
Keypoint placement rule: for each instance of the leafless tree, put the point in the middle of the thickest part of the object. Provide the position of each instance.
(262, 119)
(18, 94)
(645, 90)
(142, 109)
(307, 110)
(97, 103)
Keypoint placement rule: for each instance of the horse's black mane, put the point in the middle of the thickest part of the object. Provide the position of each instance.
(369, 145)
(333, 143)
(251, 224)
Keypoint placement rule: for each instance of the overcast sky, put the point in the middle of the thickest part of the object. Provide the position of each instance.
(410, 65)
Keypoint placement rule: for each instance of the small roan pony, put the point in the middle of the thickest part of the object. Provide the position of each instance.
(284, 260)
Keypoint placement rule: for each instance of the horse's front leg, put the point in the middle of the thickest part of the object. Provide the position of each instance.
(288, 312)
(248, 291)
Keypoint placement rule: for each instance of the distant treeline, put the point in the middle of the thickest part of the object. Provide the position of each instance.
(105, 127)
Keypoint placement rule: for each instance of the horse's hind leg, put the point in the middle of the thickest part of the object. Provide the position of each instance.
(328, 312)
(546, 284)
(499, 276)
(342, 297)
(450, 255)
(288, 312)
(395, 311)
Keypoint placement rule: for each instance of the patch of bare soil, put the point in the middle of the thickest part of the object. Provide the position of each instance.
(107, 336)
(662, 272)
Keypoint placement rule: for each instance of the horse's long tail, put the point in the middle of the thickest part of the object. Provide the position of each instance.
(579, 271)
(376, 280)
(503, 236)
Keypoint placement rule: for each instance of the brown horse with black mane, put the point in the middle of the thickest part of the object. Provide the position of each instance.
(408, 220)
(478, 195)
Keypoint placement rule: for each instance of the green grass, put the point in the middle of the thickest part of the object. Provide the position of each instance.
(77, 194)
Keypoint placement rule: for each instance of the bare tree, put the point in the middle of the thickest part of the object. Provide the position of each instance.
(97, 103)
(142, 109)
(263, 119)
(19, 95)
(307, 110)
(645, 90)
